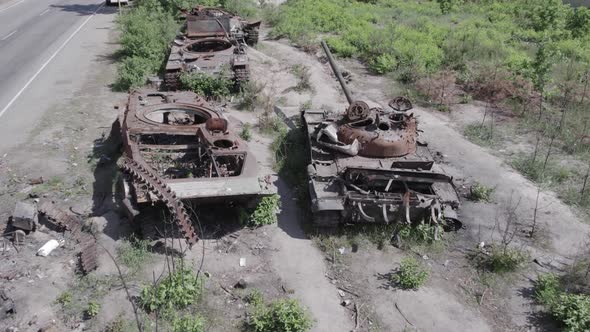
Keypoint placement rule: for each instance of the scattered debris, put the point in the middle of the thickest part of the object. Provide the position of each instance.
(242, 261)
(36, 181)
(24, 216)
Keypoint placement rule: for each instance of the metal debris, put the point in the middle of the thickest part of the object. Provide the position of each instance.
(24, 216)
(64, 220)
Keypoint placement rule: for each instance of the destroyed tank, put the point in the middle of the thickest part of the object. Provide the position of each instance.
(214, 43)
(176, 148)
(367, 166)
(206, 22)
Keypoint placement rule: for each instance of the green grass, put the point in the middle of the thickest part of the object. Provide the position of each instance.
(176, 291)
(265, 212)
(500, 260)
(480, 134)
(215, 86)
(246, 133)
(134, 253)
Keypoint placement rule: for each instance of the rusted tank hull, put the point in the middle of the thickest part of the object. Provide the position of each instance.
(178, 148)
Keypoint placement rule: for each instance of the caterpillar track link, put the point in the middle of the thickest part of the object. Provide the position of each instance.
(161, 190)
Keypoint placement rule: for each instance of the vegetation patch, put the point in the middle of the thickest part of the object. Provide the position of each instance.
(480, 134)
(176, 291)
(188, 323)
(134, 253)
(214, 86)
(303, 76)
(246, 133)
(280, 315)
(265, 212)
(501, 259)
(480, 193)
(570, 309)
(410, 274)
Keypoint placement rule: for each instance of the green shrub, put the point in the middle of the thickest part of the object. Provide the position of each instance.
(265, 212)
(285, 315)
(547, 289)
(176, 291)
(410, 275)
(384, 63)
(254, 298)
(92, 309)
(341, 47)
(505, 260)
(423, 232)
(246, 133)
(64, 299)
(478, 192)
(215, 86)
(188, 324)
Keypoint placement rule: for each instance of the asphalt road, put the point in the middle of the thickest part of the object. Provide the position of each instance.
(46, 47)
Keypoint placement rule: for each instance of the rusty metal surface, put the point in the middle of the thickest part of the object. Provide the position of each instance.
(179, 147)
(214, 43)
(367, 165)
(64, 220)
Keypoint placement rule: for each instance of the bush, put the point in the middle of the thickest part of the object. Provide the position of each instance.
(285, 315)
(423, 232)
(572, 310)
(478, 192)
(505, 260)
(410, 275)
(188, 324)
(384, 63)
(255, 298)
(246, 133)
(265, 212)
(146, 30)
(207, 85)
(176, 291)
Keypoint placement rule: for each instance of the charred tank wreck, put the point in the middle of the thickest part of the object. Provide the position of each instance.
(367, 165)
(177, 147)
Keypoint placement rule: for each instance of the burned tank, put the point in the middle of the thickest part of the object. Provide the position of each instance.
(178, 148)
(206, 22)
(367, 166)
(214, 43)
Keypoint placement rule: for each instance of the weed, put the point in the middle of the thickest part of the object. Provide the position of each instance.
(537, 171)
(306, 106)
(480, 193)
(281, 315)
(254, 298)
(480, 134)
(188, 324)
(547, 289)
(410, 275)
(303, 76)
(134, 253)
(290, 160)
(176, 291)
(246, 133)
(92, 309)
(500, 260)
(64, 299)
(215, 86)
(422, 233)
(265, 212)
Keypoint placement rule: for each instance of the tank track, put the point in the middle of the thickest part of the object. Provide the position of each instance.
(172, 81)
(65, 221)
(241, 76)
(159, 188)
(252, 37)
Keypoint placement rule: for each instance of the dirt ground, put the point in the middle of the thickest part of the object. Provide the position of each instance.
(71, 148)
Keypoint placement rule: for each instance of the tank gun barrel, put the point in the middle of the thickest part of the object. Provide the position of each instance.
(337, 73)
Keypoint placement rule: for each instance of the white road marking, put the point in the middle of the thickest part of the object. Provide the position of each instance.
(8, 35)
(44, 12)
(48, 61)
(10, 6)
